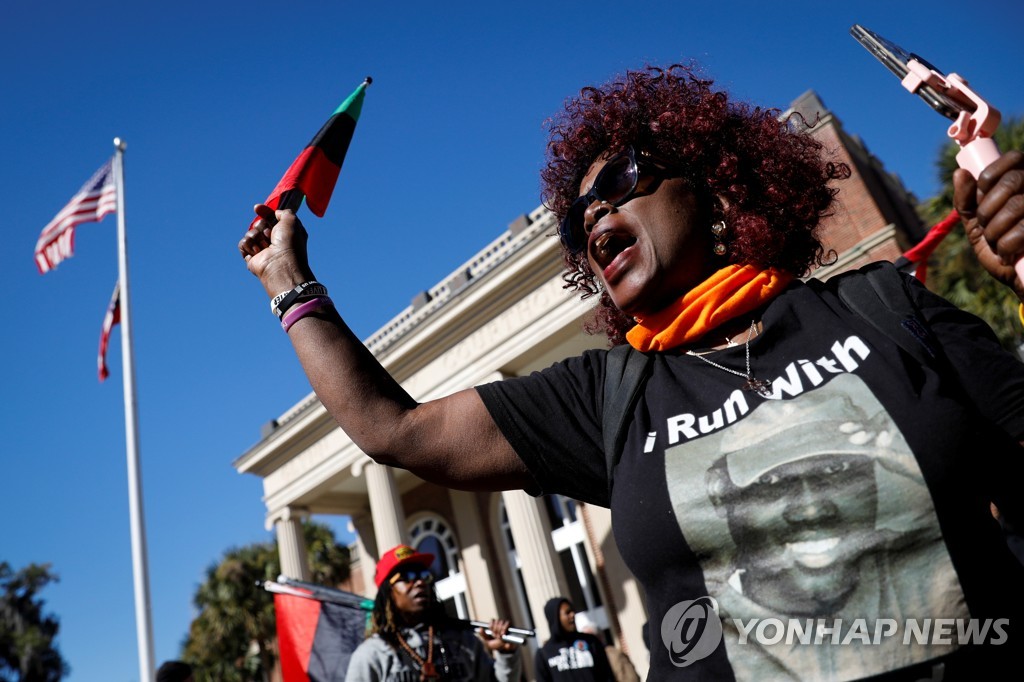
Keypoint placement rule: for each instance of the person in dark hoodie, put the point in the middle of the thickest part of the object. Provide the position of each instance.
(414, 639)
(569, 654)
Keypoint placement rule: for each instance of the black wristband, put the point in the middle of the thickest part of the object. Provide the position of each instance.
(281, 303)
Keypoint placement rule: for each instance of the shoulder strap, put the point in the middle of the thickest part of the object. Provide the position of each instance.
(879, 294)
(625, 373)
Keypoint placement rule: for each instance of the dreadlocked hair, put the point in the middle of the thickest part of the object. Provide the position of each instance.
(386, 622)
(771, 171)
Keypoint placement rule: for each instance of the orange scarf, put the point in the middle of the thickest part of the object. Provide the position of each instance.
(728, 293)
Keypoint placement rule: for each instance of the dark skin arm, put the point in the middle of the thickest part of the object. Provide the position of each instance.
(992, 210)
(451, 441)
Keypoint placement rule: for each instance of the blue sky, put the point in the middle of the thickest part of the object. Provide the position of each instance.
(215, 99)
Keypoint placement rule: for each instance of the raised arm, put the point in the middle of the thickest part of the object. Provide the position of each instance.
(451, 441)
(992, 210)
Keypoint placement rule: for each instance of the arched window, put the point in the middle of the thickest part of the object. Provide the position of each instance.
(430, 533)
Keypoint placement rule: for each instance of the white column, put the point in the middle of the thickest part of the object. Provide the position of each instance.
(466, 518)
(542, 571)
(385, 507)
(366, 547)
(291, 546)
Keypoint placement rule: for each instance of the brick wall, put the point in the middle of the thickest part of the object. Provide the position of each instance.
(873, 216)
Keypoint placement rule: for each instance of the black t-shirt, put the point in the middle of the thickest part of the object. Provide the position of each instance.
(839, 529)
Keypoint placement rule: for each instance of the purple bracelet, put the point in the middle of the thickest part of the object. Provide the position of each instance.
(300, 311)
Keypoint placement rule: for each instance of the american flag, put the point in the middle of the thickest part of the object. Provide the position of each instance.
(97, 198)
(112, 317)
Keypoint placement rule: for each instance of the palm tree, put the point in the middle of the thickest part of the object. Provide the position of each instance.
(27, 636)
(233, 639)
(954, 272)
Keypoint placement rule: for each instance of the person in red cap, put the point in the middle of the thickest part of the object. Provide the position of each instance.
(412, 637)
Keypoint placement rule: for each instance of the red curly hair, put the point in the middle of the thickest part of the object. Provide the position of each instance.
(771, 171)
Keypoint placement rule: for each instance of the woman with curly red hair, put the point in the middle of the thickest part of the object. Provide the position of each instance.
(775, 179)
(798, 491)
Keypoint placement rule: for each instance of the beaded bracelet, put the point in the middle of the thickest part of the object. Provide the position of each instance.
(304, 309)
(286, 299)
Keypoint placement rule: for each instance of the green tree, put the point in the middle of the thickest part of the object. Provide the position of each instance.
(328, 561)
(953, 270)
(233, 639)
(28, 651)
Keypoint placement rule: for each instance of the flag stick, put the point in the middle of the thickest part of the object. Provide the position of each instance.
(140, 570)
(298, 588)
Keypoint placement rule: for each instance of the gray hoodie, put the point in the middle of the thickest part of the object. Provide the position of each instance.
(467, 659)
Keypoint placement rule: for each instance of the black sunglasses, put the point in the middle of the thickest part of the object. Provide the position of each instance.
(615, 184)
(411, 575)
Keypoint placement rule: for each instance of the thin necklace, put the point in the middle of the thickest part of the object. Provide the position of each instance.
(427, 669)
(762, 387)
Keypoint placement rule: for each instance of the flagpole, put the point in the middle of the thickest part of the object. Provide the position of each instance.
(140, 569)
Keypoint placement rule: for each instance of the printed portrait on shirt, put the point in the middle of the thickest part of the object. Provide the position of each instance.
(815, 508)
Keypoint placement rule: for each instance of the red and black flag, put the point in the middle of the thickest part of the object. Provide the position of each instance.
(318, 628)
(315, 172)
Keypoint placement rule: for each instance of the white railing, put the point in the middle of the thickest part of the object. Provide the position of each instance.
(541, 222)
